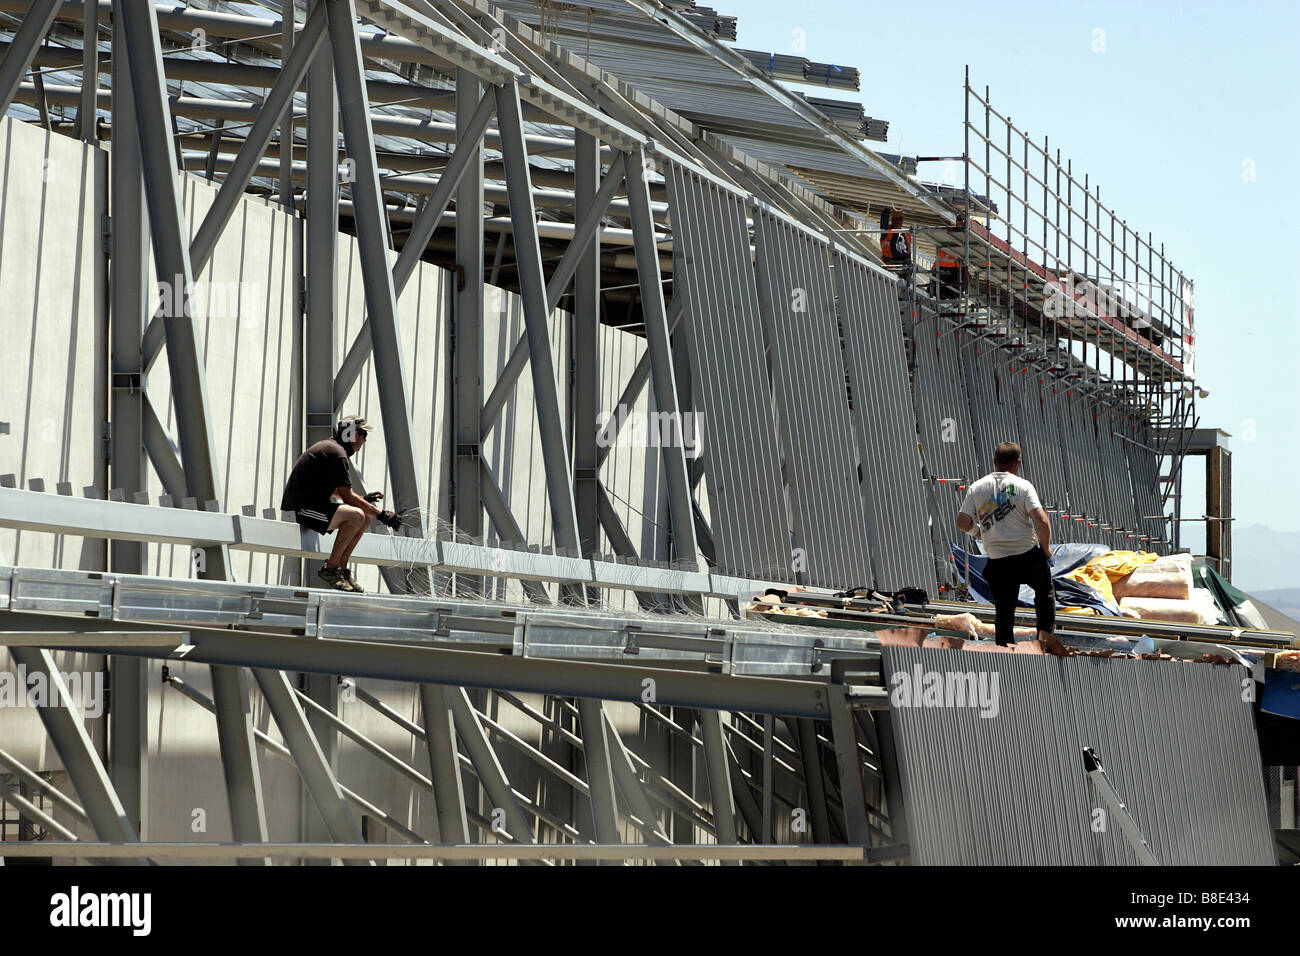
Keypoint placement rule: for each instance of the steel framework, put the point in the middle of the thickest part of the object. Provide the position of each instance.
(760, 305)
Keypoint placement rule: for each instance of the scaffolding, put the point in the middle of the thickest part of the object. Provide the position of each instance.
(1040, 268)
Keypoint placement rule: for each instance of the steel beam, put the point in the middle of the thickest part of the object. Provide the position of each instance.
(600, 771)
(22, 50)
(154, 440)
(444, 767)
(460, 166)
(467, 480)
(320, 353)
(659, 346)
(715, 762)
(805, 735)
(128, 736)
(523, 218)
(377, 277)
(42, 787)
(488, 768)
(32, 812)
(88, 110)
(636, 803)
(258, 137)
(848, 759)
(310, 760)
(585, 344)
(188, 381)
(76, 752)
(230, 695)
(172, 260)
(503, 522)
(889, 769)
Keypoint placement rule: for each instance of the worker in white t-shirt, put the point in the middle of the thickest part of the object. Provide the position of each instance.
(1003, 510)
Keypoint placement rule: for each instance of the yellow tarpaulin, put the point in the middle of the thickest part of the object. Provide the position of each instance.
(1102, 571)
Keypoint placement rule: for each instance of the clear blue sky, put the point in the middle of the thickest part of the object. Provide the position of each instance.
(1164, 120)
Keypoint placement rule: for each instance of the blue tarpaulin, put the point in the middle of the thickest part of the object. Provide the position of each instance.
(1065, 558)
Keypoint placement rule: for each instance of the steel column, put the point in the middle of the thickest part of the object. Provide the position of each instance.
(629, 784)
(319, 350)
(444, 765)
(805, 735)
(310, 760)
(235, 734)
(715, 761)
(128, 736)
(853, 795)
(88, 109)
(488, 768)
(585, 345)
(600, 771)
(188, 382)
(467, 479)
(523, 218)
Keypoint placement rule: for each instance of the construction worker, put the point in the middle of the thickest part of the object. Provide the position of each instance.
(895, 242)
(951, 270)
(321, 474)
(1004, 511)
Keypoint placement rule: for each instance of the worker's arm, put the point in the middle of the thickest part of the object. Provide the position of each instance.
(346, 495)
(1044, 529)
(965, 522)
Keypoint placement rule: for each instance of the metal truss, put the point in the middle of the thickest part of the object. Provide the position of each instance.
(555, 184)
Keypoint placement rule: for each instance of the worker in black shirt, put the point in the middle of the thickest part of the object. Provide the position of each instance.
(319, 475)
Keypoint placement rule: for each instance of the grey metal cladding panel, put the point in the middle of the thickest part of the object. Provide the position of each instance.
(885, 420)
(943, 409)
(1177, 742)
(1144, 470)
(1120, 484)
(820, 453)
(729, 380)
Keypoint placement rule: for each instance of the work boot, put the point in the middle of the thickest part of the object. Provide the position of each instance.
(352, 582)
(335, 578)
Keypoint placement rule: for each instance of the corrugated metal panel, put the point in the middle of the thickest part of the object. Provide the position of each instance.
(885, 420)
(1145, 476)
(943, 416)
(713, 270)
(1176, 739)
(798, 307)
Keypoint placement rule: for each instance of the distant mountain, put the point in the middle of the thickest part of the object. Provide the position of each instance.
(1264, 561)
(1286, 600)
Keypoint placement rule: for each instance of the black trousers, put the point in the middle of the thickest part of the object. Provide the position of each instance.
(1005, 575)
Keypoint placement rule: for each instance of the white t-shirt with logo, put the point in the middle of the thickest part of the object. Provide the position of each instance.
(1000, 504)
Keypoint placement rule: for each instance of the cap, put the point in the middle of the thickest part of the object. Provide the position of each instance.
(350, 425)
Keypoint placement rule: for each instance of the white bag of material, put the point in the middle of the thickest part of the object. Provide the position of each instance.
(1167, 577)
(1197, 609)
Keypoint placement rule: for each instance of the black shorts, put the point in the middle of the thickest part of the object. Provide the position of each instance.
(318, 517)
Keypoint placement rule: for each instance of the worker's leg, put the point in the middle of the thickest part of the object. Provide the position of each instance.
(362, 523)
(1006, 590)
(348, 523)
(1039, 573)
